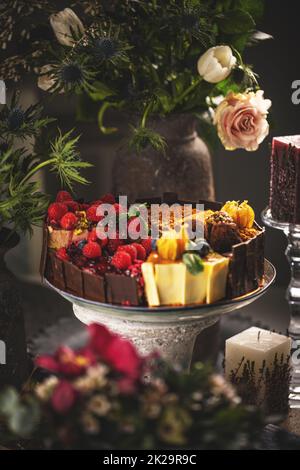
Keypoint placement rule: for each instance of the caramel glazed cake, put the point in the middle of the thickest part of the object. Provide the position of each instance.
(227, 263)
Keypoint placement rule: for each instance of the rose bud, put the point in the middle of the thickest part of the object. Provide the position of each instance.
(216, 64)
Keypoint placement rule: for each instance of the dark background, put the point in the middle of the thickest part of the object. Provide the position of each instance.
(238, 174)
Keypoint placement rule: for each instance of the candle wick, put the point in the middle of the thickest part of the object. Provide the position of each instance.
(258, 336)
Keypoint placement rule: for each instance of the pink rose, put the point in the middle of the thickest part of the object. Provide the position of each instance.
(241, 120)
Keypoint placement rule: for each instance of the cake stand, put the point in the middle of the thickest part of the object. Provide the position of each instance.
(171, 331)
(292, 232)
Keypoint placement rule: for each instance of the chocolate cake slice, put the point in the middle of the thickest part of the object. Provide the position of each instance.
(285, 179)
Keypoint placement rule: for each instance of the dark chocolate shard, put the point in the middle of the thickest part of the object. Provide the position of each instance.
(73, 279)
(57, 271)
(121, 289)
(93, 287)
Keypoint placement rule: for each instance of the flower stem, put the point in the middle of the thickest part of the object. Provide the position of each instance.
(36, 169)
(145, 115)
(188, 90)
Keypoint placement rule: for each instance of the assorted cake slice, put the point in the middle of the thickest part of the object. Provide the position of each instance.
(228, 261)
(285, 179)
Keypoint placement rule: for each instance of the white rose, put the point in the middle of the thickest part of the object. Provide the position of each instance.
(64, 23)
(216, 64)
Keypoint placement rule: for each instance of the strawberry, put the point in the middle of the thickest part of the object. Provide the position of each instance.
(92, 250)
(141, 251)
(91, 214)
(56, 211)
(62, 254)
(147, 244)
(68, 221)
(121, 260)
(130, 249)
(63, 196)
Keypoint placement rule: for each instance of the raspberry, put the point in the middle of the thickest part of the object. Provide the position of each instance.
(62, 254)
(91, 214)
(56, 211)
(63, 196)
(108, 199)
(121, 260)
(73, 206)
(113, 244)
(141, 251)
(130, 249)
(147, 244)
(92, 250)
(92, 236)
(68, 221)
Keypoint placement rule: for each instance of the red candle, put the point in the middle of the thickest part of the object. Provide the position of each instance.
(285, 179)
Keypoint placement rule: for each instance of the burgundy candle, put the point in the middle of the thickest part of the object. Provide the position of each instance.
(285, 179)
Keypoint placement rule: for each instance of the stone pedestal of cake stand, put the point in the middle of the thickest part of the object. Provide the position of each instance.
(171, 331)
(173, 340)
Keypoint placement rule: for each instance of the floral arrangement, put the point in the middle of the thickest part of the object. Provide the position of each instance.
(22, 203)
(149, 58)
(97, 398)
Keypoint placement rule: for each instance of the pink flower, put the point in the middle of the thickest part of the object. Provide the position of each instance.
(241, 120)
(123, 357)
(63, 397)
(67, 362)
(100, 338)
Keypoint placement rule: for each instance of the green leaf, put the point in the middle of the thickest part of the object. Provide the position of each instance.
(236, 21)
(9, 399)
(101, 91)
(254, 7)
(193, 262)
(24, 418)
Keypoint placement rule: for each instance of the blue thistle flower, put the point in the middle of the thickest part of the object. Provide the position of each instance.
(105, 48)
(71, 73)
(15, 118)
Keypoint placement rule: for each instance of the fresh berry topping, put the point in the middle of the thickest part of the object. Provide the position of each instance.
(92, 250)
(118, 208)
(91, 214)
(68, 221)
(108, 199)
(97, 202)
(147, 244)
(81, 244)
(92, 236)
(121, 260)
(63, 196)
(62, 254)
(141, 252)
(113, 244)
(73, 206)
(83, 206)
(56, 211)
(102, 267)
(130, 249)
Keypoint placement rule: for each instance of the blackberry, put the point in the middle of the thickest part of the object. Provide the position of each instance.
(81, 244)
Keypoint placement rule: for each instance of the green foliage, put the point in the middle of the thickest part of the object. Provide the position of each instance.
(142, 137)
(22, 204)
(132, 51)
(65, 160)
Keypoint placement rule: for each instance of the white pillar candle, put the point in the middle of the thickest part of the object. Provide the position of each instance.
(255, 345)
